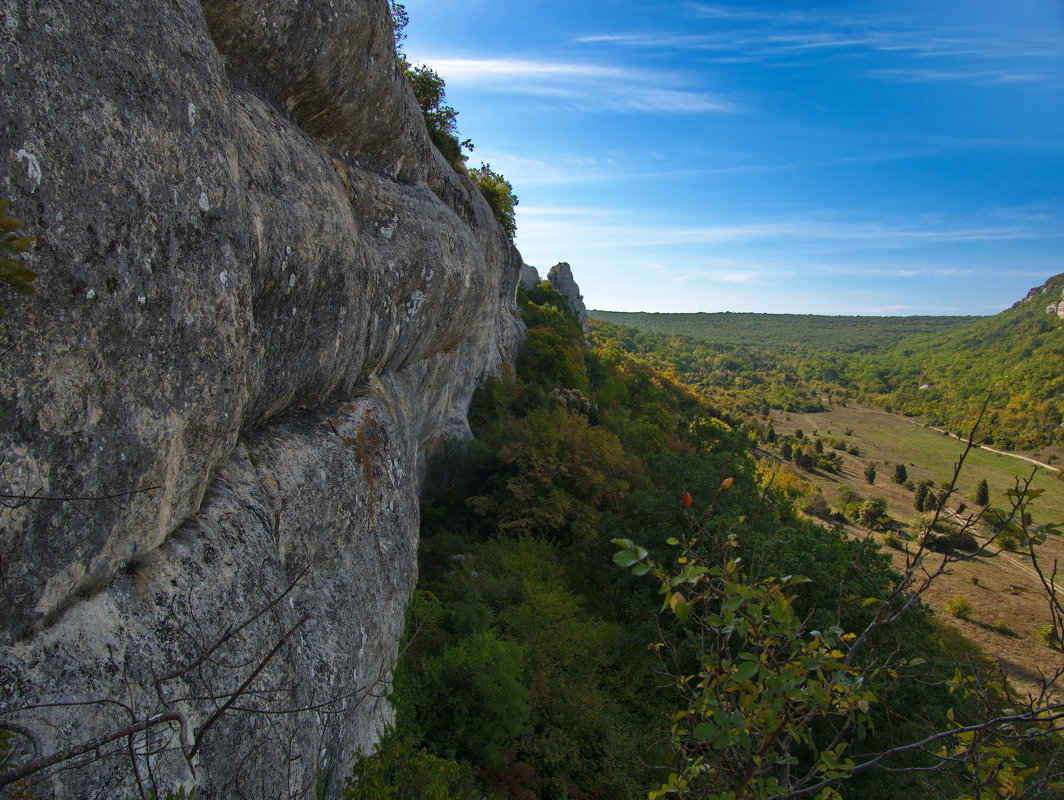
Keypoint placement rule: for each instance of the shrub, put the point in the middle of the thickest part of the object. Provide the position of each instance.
(982, 494)
(500, 196)
(12, 271)
(870, 473)
(893, 541)
(900, 474)
(1007, 540)
(1003, 628)
(872, 512)
(429, 90)
(853, 450)
(817, 506)
(401, 770)
(1047, 635)
(959, 606)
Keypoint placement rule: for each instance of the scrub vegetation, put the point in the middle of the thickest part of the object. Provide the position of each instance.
(618, 600)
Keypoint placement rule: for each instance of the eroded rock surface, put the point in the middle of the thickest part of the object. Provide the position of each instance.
(263, 298)
(561, 278)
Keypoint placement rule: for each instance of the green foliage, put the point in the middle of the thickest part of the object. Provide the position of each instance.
(12, 271)
(1047, 635)
(577, 448)
(901, 474)
(785, 332)
(499, 194)
(555, 475)
(939, 368)
(959, 606)
(982, 493)
(400, 19)
(399, 770)
(873, 512)
(870, 473)
(430, 90)
(761, 682)
(893, 541)
(1003, 628)
(440, 118)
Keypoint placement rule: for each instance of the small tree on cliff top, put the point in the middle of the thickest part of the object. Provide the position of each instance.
(499, 194)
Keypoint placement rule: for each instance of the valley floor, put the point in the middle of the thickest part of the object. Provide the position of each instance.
(1007, 603)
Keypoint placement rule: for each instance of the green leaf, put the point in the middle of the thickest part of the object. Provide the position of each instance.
(746, 672)
(624, 558)
(705, 731)
(640, 569)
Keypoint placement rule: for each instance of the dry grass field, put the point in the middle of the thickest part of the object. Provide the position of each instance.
(1007, 603)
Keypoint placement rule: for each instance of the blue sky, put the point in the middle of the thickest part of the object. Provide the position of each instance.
(836, 158)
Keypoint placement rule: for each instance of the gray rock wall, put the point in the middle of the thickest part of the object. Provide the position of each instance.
(561, 278)
(263, 298)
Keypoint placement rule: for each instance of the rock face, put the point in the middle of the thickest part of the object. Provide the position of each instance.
(561, 278)
(529, 276)
(263, 297)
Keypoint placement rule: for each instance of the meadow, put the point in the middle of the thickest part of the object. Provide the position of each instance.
(1001, 587)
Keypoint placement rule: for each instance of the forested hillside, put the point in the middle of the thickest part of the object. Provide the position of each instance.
(803, 333)
(942, 375)
(1017, 354)
(536, 667)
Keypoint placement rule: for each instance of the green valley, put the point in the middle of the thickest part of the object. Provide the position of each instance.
(527, 671)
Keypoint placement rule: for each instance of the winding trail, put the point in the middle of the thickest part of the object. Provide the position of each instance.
(980, 446)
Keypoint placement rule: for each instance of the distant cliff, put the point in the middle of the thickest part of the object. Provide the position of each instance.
(263, 297)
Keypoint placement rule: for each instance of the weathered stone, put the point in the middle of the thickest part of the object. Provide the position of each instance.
(263, 297)
(529, 276)
(561, 278)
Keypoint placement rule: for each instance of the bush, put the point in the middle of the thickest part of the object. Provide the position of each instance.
(499, 194)
(429, 90)
(952, 540)
(400, 770)
(872, 512)
(1048, 636)
(1003, 628)
(817, 506)
(1007, 540)
(959, 606)
(982, 493)
(893, 541)
(901, 475)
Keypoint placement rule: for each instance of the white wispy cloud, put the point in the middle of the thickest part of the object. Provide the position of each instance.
(843, 245)
(584, 86)
(739, 35)
(984, 76)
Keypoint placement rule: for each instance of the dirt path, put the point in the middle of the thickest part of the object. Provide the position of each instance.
(980, 446)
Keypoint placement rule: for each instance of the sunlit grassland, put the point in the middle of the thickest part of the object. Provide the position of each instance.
(887, 438)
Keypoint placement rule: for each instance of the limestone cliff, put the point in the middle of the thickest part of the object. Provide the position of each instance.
(561, 278)
(263, 297)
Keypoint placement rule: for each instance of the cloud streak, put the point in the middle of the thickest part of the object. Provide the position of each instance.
(593, 228)
(737, 35)
(588, 87)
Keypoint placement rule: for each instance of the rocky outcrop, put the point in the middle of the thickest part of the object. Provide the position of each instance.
(263, 297)
(561, 278)
(529, 276)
